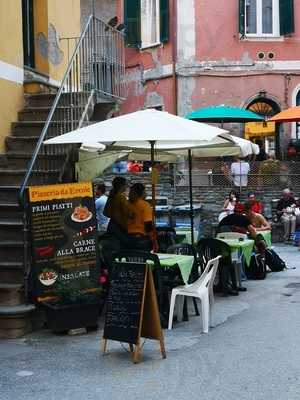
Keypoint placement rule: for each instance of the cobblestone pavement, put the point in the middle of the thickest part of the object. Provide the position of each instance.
(252, 352)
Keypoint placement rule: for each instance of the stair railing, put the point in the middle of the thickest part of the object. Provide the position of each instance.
(95, 72)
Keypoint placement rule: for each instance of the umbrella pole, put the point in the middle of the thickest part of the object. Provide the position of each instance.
(153, 183)
(191, 195)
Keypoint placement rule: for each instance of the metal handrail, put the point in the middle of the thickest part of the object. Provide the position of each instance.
(98, 57)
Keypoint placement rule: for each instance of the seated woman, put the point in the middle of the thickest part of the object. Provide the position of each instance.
(139, 225)
(116, 208)
(229, 205)
(256, 205)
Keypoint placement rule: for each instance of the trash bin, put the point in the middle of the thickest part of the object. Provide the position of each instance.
(181, 218)
(163, 211)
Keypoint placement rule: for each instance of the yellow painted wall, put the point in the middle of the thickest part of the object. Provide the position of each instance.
(65, 16)
(11, 100)
(11, 52)
(11, 43)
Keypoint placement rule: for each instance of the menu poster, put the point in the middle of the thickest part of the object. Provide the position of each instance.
(63, 229)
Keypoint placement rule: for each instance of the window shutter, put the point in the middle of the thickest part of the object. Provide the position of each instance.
(132, 19)
(242, 17)
(286, 15)
(164, 20)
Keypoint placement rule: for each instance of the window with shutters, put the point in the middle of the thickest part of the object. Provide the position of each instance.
(266, 18)
(150, 29)
(262, 18)
(147, 22)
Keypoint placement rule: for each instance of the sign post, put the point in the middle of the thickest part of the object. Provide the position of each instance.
(63, 229)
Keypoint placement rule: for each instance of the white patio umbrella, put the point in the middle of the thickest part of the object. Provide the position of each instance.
(153, 130)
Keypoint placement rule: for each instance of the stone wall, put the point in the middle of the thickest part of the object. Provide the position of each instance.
(211, 197)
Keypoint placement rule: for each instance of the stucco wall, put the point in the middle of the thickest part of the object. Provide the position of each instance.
(63, 21)
(11, 100)
(11, 64)
(104, 9)
(218, 39)
(11, 43)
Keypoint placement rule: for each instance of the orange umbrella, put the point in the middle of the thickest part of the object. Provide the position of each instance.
(290, 115)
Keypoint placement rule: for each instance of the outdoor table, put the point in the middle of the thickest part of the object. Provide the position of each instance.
(266, 236)
(184, 263)
(175, 264)
(187, 235)
(246, 247)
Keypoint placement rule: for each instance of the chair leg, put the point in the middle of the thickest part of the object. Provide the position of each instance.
(196, 306)
(180, 307)
(171, 312)
(185, 310)
(205, 311)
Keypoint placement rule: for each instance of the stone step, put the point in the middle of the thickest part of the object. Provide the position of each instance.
(11, 229)
(11, 294)
(9, 194)
(15, 177)
(20, 144)
(11, 250)
(41, 113)
(21, 160)
(33, 129)
(10, 211)
(11, 272)
(47, 99)
(15, 321)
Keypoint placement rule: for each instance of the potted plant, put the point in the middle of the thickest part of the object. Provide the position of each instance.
(75, 306)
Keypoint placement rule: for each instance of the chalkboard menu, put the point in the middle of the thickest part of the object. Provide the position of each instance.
(124, 304)
(63, 229)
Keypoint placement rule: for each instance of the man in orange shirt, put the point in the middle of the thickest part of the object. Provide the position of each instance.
(139, 224)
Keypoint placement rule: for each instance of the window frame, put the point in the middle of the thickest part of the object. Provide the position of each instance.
(275, 23)
(147, 45)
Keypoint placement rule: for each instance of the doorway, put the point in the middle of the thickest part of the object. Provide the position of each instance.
(266, 132)
(28, 33)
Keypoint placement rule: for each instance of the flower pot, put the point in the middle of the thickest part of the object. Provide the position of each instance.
(64, 317)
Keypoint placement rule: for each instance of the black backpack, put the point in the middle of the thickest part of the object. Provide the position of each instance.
(273, 261)
(257, 268)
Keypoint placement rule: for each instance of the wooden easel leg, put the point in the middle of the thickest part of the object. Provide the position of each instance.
(162, 348)
(104, 346)
(136, 354)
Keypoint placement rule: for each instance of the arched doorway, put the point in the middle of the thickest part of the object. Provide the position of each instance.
(266, 132)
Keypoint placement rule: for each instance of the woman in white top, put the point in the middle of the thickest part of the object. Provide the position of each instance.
(229, 205)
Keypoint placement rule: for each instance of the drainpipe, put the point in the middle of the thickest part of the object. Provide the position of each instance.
(174, 56)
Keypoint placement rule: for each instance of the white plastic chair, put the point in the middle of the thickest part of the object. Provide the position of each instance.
(202, 288)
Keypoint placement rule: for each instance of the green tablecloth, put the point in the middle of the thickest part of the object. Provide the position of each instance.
(267, 237)
(185, 263)
(187, 235)
(246, 247)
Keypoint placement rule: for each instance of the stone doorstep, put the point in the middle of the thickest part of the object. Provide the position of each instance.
(15, 333)
(15, 321)
(11, 294)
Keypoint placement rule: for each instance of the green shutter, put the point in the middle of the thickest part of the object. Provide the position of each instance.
(164, 20)
(132, 19)
(242, 17)
(286, 15)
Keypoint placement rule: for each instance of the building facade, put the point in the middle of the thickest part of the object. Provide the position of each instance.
(33, 49)
(187, 54)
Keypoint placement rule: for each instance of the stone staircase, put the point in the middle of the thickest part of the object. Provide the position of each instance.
(16, 317)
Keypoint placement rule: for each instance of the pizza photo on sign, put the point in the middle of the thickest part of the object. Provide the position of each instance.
(48, 277)
(81, 214)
